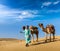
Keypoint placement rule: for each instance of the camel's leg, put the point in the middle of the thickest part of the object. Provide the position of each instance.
(53, 37)
(46, 37)
(37, 37)
(50, 37)
(33, 37)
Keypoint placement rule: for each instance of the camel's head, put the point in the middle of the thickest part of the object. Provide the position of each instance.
(40, 24)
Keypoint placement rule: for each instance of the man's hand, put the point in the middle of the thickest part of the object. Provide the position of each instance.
(21, 32)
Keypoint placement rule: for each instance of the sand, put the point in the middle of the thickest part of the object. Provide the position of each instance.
(19, 45)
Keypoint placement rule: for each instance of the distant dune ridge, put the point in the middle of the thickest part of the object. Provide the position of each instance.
(8, 39)
(11, 44)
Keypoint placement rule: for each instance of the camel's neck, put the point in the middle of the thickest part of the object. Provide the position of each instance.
(43, 29)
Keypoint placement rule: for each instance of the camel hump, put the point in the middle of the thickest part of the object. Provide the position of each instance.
(33, 27)
(50, 26)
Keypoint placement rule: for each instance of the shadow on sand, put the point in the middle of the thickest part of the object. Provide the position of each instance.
(43, 42)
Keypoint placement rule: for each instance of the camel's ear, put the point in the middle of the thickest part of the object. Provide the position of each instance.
(40, 24)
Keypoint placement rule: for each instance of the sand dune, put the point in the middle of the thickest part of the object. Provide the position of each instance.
(19, 45)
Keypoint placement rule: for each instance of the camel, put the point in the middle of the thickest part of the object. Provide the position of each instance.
(50, 29)
(34, 30)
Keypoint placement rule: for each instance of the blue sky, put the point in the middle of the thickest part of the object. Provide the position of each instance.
(16, 13)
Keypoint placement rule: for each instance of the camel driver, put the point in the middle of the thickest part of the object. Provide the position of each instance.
(27, 35)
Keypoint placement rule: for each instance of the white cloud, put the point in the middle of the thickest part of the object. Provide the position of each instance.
(6, 12)
(27, 14)
(56, 2)
(49, 3)
(46, 4)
